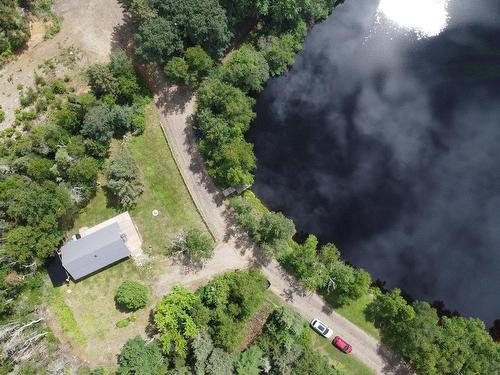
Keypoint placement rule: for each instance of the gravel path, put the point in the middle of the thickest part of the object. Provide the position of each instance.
(234, 250)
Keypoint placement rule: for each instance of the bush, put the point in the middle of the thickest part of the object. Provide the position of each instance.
(196, 245)
(122, 323)
(28, 97)
(132, 295)
(58, 86)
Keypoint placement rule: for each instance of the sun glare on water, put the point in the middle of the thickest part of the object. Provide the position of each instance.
(425, 17)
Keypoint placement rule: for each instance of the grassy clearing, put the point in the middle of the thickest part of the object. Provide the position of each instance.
(93, 305)
(90, 302)
(65, 316)
(355, 313)
(164, 190)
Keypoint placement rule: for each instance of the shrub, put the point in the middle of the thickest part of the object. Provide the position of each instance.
(196, 245)
(122, 323)
(2, 115)
(132, 295)
(28, 97)
(58, 86)
(15, 27)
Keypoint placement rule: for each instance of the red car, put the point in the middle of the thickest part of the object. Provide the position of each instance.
(342, 345)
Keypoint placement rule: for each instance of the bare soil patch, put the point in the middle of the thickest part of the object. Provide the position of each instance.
(88, 26)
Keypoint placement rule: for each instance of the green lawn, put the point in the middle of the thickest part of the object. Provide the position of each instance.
(85, 311)
(164, 191)
(340, 360)
(355, 313)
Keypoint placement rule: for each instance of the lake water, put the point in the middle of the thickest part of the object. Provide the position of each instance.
(384, 138)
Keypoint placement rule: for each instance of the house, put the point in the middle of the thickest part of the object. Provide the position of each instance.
(101, 246)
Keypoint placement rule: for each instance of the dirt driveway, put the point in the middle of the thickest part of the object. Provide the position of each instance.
(87, 25)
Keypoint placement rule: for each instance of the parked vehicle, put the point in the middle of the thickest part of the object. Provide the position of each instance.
(321, 328)
(341, 344)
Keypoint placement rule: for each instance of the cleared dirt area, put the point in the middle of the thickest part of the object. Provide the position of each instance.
(88, 26)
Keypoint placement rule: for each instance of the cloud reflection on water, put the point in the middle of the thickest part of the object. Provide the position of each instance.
(387, 144)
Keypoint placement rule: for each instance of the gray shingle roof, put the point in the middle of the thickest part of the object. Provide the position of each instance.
(93, 252)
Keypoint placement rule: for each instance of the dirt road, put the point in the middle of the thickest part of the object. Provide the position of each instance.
(87, 25)
(235, 250)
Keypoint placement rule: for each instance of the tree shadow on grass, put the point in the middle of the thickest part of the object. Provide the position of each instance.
(112, 200)
(393, 364)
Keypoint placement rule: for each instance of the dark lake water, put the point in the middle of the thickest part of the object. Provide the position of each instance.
(385, 140)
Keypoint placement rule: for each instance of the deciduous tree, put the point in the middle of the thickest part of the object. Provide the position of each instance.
(139, 358)
(178, 317)
(157, 40)
(246, 69)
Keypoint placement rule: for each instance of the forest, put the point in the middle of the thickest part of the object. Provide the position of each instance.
(204, 333)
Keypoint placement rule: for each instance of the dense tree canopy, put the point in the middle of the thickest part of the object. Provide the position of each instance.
(434, 345)
(157, 40)
(197, 22)
(178, 317)
(37, 212)
(50, 168)
(224, 115)
(250, 361)
(191, 68)
(246, 68)
(232, 298)
(270, 229)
